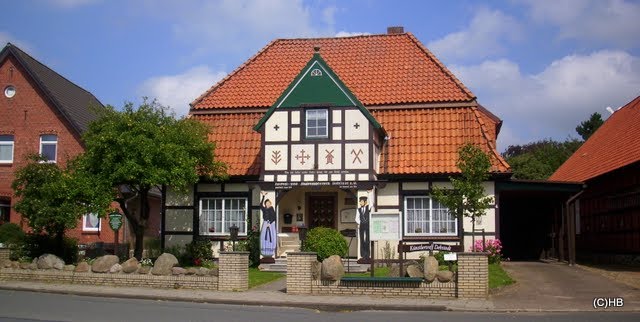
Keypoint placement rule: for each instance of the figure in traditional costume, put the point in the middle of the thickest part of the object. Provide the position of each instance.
(269, 231)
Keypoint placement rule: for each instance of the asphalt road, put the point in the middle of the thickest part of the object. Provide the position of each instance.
(31, 306)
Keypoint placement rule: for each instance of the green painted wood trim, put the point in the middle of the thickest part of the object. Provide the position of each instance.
(317, 59)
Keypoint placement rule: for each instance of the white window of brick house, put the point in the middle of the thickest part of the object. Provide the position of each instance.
(91, 222)
(425, 216)
(6, 148)
(218, 214)
(49, 147)
(317, 123)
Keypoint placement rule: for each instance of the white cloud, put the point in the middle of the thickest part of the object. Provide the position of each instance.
(482, 38)
(551, 103)
(350, 34)
(70, 4)
(177, 91)
(604, 21)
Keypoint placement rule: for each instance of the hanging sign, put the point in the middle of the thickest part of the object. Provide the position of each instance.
(429, 247)
(115, 220)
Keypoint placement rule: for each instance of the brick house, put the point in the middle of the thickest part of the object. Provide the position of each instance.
(315, 126)
(607, 212)
(43, 112)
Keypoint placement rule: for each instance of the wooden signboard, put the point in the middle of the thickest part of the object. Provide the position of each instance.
(428, 247)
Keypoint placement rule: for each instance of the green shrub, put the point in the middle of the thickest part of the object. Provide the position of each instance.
(325, 242)
(153, 247)
(11, 233)
(179, 252)
(34, 245)
(199, 249)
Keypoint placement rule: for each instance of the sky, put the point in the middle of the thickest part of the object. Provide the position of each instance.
(542, 66)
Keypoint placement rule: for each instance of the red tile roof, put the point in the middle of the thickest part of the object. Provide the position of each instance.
(615, 144)
(378, 69)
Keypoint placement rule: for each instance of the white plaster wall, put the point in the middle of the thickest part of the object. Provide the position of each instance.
(337, 156)
(442, 184)
(415, 186)
(388, 196)
(275, 153)
(350, 152)
(175, 198)
(179, 220)
(295, 117)
(281, 120)
(209, 187)
(296, 150)
(295, 134)
(336, 133)
(337, 116)
(361, 132)
(236, 187)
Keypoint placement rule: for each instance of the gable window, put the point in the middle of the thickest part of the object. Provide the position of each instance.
(90, 222)
(317, 121)
(49, 147)
(6, 148)
(218, 214)
(425, 216)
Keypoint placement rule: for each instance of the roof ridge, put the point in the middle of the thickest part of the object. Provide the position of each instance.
(232, 73)
(442, 67)
(49, 68)
(354, 36)
(483, 130)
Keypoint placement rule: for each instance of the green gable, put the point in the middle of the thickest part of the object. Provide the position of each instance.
(316, 84)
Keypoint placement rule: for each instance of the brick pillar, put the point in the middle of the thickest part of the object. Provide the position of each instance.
(233, 274)
(473, 275)
(299, 272)
(5, 253)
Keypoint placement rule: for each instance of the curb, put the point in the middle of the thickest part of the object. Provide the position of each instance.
(327, 307)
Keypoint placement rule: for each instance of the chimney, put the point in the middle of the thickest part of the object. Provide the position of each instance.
(395, 30)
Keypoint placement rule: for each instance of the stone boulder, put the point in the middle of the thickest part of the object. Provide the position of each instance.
(131, 265)
(414, 271)
(23, 265)
(5, 263)
(444, 276)
(214, 271)
(104, 263)
(33, 266)
(178, 271)
(316, 269)
(202, 271)
(69, 268)
(430, 268)
(15, 264)
(164, 264)
(49, 261)
(115, 269)
(82, 267)
(394, 271)
(144, 270)
(332, 268)
(192, 270)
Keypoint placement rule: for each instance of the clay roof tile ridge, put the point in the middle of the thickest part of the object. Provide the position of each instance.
(487, 140)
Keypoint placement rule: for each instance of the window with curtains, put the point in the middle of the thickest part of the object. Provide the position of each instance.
(425, 216)
(218, 214)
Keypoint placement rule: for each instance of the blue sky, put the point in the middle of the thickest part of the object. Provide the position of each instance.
(542, 66)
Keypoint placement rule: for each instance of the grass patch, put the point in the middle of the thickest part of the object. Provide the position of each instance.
(258, 277)
(378, 272)
(498, 277)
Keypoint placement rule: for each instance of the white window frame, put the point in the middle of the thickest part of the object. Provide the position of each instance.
(325, 114)
(431, 213)
(205, 223)
(84, 223)
(11, 144)
(49, 142)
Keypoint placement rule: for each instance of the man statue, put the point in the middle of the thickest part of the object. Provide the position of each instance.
(362, 219)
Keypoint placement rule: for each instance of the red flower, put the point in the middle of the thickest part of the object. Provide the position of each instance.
(197, 262)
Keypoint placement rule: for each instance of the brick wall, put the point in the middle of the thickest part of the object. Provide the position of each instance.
(473, 275)
(234, 271)
(433, 289)
(473, 280)
(133, 280)
(4, 254)
(299, 272)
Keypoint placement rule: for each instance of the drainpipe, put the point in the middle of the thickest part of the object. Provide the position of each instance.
(571, 228)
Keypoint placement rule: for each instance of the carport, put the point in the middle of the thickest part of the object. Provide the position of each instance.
(536, 220)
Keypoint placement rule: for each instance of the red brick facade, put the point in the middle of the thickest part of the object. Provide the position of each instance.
(28, 115)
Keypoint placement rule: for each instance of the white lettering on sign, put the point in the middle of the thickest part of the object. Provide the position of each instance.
(451, 257)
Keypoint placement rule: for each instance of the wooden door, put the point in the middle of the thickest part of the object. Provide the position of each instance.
(322, 211)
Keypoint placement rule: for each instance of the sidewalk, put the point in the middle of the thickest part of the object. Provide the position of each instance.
(540, 287)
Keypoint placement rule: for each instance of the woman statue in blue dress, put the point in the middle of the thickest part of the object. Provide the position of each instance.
(269, 231)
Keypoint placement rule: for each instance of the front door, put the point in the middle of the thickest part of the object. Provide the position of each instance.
(322, 211)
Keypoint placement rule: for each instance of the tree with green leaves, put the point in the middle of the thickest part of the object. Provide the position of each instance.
(539, 160)
(588, 127)
(52, 199)
(467, 197)
(143, 148)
